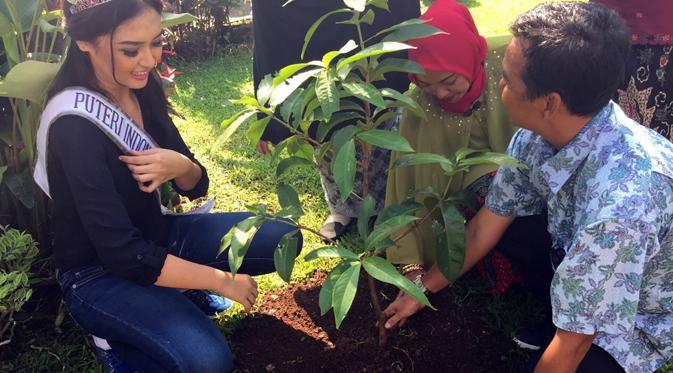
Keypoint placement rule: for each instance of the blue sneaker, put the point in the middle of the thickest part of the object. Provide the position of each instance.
(210, 303)
(111, 363)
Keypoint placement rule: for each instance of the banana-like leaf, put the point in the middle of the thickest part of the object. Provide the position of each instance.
(29, 80)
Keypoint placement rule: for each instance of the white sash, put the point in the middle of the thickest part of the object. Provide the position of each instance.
(106, 116)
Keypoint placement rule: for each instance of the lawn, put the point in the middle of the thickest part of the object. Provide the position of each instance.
(240, 176)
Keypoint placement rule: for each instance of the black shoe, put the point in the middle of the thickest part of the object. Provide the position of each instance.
(534, 337)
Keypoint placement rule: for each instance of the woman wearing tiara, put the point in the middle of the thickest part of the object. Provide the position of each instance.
(120, 260)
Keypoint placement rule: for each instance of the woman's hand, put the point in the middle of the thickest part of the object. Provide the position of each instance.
(401, 309)
(241, 288)
(263, 147)
(153, 167)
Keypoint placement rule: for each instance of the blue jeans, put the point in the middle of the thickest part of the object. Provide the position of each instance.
(157, 329)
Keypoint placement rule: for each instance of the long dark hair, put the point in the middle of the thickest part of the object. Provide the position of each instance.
(88, 25)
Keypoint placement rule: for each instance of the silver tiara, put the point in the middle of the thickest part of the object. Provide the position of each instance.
(81, 5)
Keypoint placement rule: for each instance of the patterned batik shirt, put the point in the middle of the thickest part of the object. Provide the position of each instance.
(609, 197)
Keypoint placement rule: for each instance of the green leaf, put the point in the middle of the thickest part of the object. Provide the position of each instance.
(254, 133)
(285, 89)
(357, 5)
(419, 158)
(5, 24)
(287, 72)
(11, 48)
(341, 137)
(24, 10)
(396, 65)
(239, 239)
(297, 146)
(290, 106)
(45, 26)
(386, 228)
(347, 48)
(326, 91)
(404, 208)
(368, 17)
(416, 31)
(409, 22)
(388, 115)
(314, 26)
(383, 271)
(325, 297)
(29, 80)
(338, 118)
(462, 153)
(331, 252)
(231, 125)
(489, 157)
(322, 150)
(450, 250)
(382, 4)
(366, 92)
(344, 291)
(289, 201)
(173, 19)
(288, 163)
(385, 139)
(405, 100)
(257, 208)
(343, 168)
(285, 255)
(365, 211)
(22, 188)
(264, 89)
(246, 101)
(374, 50)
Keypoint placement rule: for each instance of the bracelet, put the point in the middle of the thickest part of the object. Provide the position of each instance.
(418, 281)
(410, 268)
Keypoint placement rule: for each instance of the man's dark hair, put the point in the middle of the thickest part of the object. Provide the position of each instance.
(577, 50)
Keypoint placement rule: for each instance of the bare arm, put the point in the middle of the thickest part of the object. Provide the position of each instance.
(481, 235)
(565, 352)
(182, 274)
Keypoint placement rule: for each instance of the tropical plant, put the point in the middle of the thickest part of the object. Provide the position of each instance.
(203, 37)
(32, 45)
(17, 251)
(328, 92)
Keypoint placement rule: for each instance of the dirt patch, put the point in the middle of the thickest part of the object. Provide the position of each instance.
(289, 335)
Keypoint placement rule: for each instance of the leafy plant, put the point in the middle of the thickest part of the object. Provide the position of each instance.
(209, 31)
(17, 251)
(326, 93)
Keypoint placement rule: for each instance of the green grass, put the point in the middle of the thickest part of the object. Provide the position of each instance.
(240, 176)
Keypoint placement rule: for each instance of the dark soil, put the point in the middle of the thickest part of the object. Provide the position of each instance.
(289, 335)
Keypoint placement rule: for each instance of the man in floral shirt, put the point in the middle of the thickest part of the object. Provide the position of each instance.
(606, 183)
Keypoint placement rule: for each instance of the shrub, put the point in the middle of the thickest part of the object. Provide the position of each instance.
(17, 251)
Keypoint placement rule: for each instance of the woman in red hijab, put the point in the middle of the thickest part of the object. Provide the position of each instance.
(460, 95)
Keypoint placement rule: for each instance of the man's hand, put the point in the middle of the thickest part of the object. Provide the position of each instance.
(401, 309)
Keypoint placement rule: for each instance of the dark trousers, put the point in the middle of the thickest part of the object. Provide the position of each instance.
(528, 245)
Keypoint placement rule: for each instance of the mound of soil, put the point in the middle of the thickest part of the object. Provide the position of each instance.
(289, 335)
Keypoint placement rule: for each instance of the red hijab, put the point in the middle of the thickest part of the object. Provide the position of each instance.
(462, 51)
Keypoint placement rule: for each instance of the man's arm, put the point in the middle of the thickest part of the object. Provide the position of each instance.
(565, 352)
(481, 235)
